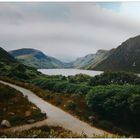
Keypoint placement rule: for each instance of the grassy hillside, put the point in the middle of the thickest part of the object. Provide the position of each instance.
(125, 57)
(10, 67)
(36, 59)
(5, 57)
(15, 108)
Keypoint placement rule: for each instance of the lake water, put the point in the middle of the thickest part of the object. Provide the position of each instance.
(68, 72)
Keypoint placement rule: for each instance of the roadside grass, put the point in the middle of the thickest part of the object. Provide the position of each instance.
(50, 132)
(81, 110)
(16, 108)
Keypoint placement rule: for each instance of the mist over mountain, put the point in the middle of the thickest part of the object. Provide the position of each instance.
(90, 60)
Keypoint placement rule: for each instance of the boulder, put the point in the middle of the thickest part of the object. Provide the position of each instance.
(4, 109)
(34, 136)
(92, 118)
(5, 123)
(11, 113)
(34, 108)
(31, 121)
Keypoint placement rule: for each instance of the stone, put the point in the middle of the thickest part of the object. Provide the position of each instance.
(11, 113)
(34, 136)
(34, 108)
(4, 109)
(31, 121)
(91, 118)
(5, 123)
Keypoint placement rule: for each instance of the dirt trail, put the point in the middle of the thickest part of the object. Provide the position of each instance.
(56, 116)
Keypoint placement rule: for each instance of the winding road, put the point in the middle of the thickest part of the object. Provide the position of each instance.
(56, 116)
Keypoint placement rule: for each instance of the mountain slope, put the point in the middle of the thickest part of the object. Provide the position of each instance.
(90, 60)
(36, 59)
(5, 57)
(10, 67)
(125, 57)
(83, 61)
(6, 61)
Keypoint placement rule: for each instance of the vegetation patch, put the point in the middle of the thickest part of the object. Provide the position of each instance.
(43, 132)
(104, 97)
(117, 103)
(15, 108)
(51, 132)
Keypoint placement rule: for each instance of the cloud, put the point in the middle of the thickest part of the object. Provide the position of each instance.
(64, 30)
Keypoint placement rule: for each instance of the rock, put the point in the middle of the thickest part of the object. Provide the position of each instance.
(4, 109)
(34, 136)
(91, 118)
(31, 121)
(11, 113)
(34, 108)
(5, 123)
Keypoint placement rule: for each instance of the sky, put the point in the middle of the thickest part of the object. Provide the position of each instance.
(67, 30)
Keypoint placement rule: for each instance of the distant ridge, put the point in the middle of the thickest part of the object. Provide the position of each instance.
(6, 57)
(125, 57)
(35, 58)
(90, 59)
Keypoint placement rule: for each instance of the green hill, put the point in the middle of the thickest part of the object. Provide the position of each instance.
(10, 67)
(36, 58)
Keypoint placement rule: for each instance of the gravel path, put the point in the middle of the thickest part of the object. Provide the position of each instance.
(56, 116)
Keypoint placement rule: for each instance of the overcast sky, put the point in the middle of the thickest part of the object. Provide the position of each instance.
(68, 30)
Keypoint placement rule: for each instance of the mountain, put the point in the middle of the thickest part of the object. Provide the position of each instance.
(125, 57)
(10, 67)
(6, 57)
(83, 61)
(90, 59)
(6, 61)
(36, 58)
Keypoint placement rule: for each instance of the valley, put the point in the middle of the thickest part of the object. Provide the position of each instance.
(93, 100)
(62, 119)
(123, 58)
(69, 69)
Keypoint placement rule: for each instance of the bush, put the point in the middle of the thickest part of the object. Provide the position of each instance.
(37, 114)
(105, 125)
(114, 78)
(17, 119)
(61, 86)
(113, 101)
(78, 78)
(6, 92)
(48, 97)
(71, 105)
(59, 102)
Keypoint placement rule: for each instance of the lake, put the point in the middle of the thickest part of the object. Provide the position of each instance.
(68, 72)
